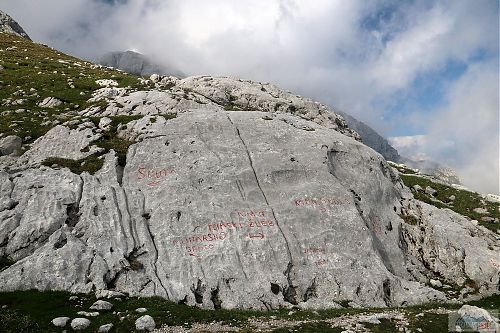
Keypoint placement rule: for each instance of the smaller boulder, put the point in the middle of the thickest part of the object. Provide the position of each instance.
(417, 188)
(102, 293)
(430, 191)
(141, 310)
(49, 102)
(452, 197)
(101, 305)
(145, 323)
(79, 324)
(87, 314)
(60, 321)
(481, 210)
(435, 283)
(10, 144)
(105, 123)
(105, 328)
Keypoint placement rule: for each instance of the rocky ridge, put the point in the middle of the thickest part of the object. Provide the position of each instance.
(222, 193)
(9, 25)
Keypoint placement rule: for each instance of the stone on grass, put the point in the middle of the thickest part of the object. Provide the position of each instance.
(141, 310)
(79, 324)
(105, 328)
(430, 191)
(145, 323)
(101, 305)
(60, 321)
(49, 102)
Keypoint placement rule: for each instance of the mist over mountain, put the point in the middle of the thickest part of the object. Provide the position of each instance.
(136, 63)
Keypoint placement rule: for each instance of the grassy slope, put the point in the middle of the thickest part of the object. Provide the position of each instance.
(464, 203)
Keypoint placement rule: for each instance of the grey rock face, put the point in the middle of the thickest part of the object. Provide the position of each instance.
(10, 144)
(7, 24)
(145, 323)
(136, 63)
(60, 321)
(80, 324)
(234, 209)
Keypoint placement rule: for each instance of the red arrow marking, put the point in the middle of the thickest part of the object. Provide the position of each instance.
(153, 183)
(194, 255)
(259, 235)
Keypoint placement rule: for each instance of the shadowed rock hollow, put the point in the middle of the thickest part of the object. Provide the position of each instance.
(250, 197)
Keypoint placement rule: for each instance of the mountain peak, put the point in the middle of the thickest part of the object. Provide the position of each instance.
(8, 24)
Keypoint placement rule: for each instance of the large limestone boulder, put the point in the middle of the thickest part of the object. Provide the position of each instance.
(235, 209)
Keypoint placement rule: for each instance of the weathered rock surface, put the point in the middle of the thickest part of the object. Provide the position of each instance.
(276, 204)
(7, 24)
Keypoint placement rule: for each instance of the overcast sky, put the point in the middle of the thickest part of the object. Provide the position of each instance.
(407, 68)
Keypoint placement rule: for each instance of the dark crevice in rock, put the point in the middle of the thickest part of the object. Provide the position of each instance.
(73, 214)
(386, 288)
(134, 263)
(311, 291)
(183, 301)
(275, 288)
(214, 297)
(290, 291)
(289, 253)
(198, 291)
(61, 241)
(119, 173)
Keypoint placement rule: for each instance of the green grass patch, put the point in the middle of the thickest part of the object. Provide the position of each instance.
(91, 164)
(465, 201)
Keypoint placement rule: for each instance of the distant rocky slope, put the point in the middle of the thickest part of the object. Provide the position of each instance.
(211, 191)
(372, 139)
(136, 63)
(7, 24)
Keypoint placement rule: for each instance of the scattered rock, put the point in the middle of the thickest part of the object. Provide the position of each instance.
(87, 314)
(452, 197)
(487, 219)
(73, 298)
(49, 102)
(481, 210)
(430, 191)
(141, 310)
(101, 305)
(102, 293)
(145, 323)
(60, 321)
(105, 328)
(435, 283)
(105, 123)
(417, 188)
(10, 145)
(107, 83)
(79, 324)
